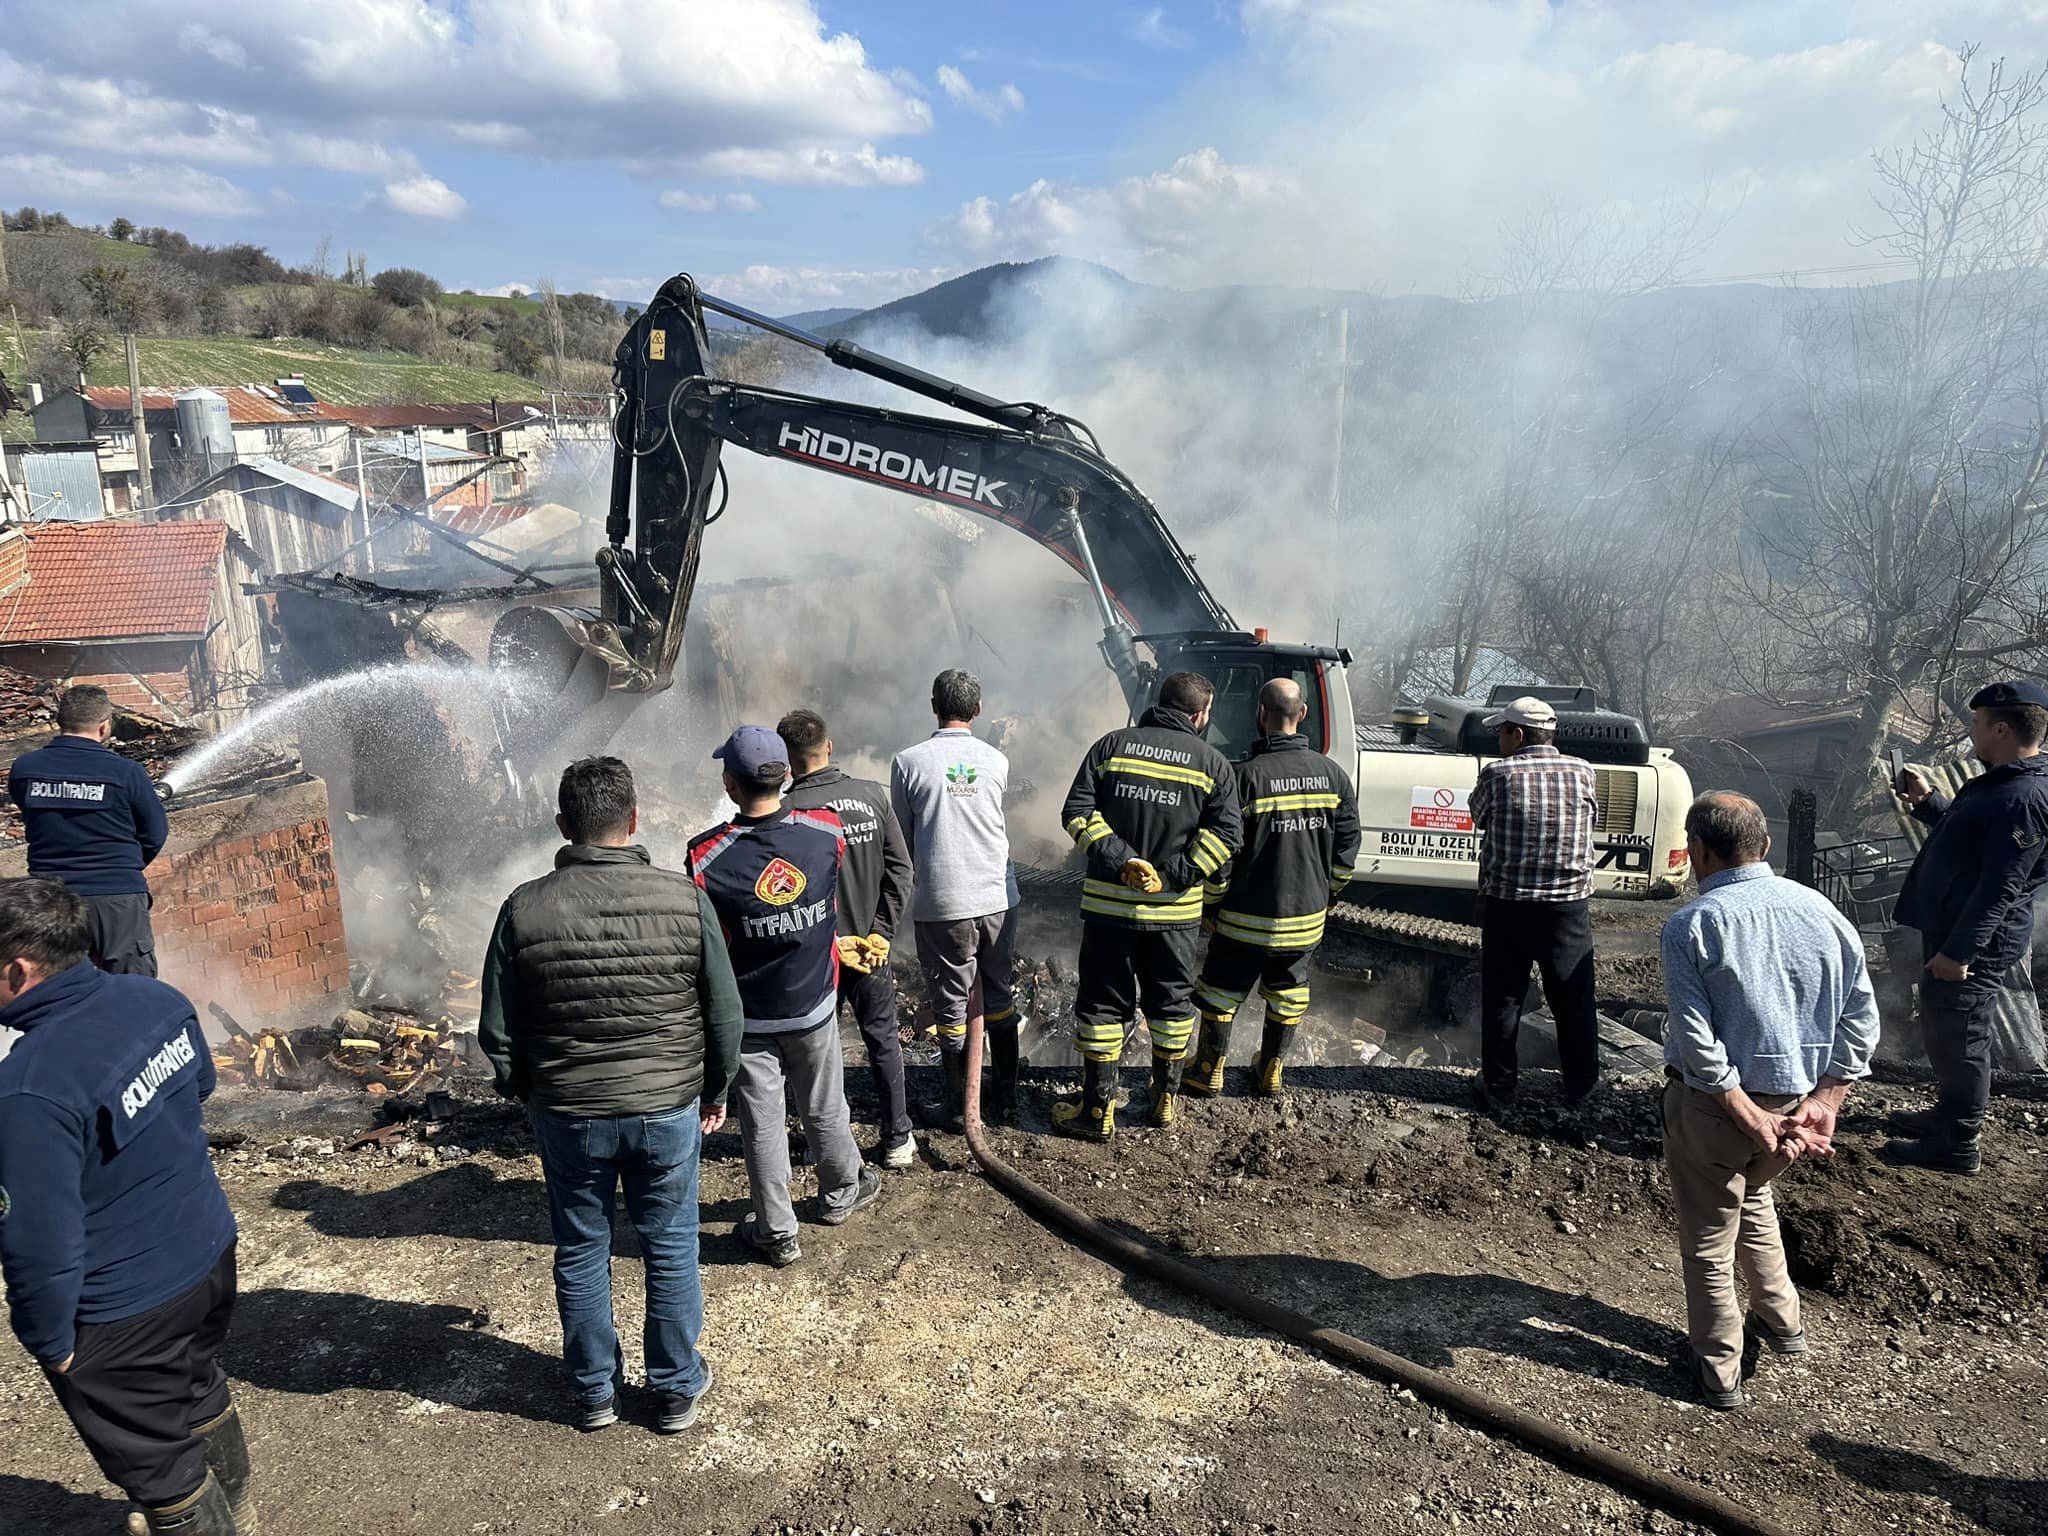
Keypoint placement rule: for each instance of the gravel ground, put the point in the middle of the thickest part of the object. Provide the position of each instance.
(944, 1364)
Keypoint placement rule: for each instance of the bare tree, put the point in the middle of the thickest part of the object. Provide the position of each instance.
(551, 311)
(1905, 554)
(1536, 430)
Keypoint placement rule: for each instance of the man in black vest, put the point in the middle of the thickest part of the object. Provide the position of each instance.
(610, 1009)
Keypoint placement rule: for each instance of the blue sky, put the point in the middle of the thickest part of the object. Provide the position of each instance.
(842, 152)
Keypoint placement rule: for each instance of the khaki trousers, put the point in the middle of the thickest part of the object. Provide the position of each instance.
(1727, 1220)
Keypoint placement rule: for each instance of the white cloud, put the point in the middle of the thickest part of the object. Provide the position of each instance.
(171, 188)
(194, 38)
(861, 167)
(594, 79)
(1153, 30)
(789, 290)
(1162, 223)
(707, 202)
(425, 197)
(1004, 101)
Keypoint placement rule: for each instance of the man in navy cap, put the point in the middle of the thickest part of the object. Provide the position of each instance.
(1971, 894)
(772, 875)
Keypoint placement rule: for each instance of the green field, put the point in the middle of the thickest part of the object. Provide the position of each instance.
(334, 374)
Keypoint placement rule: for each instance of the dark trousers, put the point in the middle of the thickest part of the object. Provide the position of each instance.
(1123, 969)
(584, 1159)
(872, 997)
(1957, 1017)
(121, 939)
(1556, 937)
(958, 952)
(138, 1389)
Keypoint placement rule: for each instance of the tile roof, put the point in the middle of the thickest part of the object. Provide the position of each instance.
(110, 581)
(249, 405)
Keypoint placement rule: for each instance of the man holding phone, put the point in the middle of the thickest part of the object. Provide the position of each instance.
(1971, 894)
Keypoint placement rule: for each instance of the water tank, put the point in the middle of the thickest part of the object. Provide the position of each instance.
(204, 431)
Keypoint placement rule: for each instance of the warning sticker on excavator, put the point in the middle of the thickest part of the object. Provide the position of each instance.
(1439, 809)
(657, 346)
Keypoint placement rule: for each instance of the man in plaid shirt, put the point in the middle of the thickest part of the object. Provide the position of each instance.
(1534, 812)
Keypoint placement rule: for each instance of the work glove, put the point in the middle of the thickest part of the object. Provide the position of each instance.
(1141, 876)
(877, 950)
(852, 954)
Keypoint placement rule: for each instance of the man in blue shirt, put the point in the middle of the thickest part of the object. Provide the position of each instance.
(115, 1238)
(94, 821)
(1971, 894)
(1772, 1017)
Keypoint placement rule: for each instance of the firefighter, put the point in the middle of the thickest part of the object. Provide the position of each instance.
(1267, 911)
(1154, 807)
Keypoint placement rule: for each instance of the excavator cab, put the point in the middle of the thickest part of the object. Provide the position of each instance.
(1240, 664)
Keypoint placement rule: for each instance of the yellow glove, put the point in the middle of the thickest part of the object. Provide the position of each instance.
(1141, 876)
(877, 950)
(852, 955)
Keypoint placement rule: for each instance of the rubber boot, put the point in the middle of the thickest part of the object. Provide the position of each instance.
(1912, 1124)
(206, 1513)
(1164, 1088)
(1204, 1078)
(1958, 1151)
(953, 1058)
(227, 1457)
(999, 1100)
(1266, 1078)
(1092, 1117)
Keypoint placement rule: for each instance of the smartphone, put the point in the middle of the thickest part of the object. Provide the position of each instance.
(1898, 767)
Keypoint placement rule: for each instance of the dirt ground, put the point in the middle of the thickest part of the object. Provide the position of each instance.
(944, 1364)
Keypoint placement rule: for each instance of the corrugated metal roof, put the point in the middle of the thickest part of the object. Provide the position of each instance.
(335, 492)
(63, 487)
(249, 405)
(109, 581)
(409, 448)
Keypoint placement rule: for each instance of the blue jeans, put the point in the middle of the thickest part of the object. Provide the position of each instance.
(585, 1159)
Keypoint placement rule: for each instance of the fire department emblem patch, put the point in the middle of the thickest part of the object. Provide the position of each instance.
(780, 883)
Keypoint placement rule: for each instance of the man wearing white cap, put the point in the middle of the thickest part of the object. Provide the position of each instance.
(1534, 811)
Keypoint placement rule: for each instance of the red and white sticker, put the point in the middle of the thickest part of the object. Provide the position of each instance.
(1439, 809)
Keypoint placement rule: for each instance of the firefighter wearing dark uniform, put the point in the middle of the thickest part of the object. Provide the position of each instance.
(1154, 807)
(1971, 894)
(1268, 909)
(94, 821)
(116, 1240)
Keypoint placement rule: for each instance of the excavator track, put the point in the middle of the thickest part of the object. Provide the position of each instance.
(1407, 930)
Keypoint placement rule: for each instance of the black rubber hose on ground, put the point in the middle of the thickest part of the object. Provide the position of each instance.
(1572, 1451)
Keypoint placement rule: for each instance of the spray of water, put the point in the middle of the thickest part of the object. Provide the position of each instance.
(462, 690)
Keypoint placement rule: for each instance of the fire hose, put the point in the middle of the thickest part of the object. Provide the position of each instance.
(1568, 1449)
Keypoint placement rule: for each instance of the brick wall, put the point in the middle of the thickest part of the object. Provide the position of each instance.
(247, 909)
(254, 924)
(145, 676)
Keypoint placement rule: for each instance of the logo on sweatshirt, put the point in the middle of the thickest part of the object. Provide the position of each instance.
(780, 883)
(176, 1053)
(960, 779)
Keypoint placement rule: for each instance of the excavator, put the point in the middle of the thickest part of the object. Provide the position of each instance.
(1031, 468)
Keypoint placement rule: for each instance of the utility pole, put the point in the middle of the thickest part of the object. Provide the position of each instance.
(3, 261)
(363, 495)
(140, 425)
(426, 495)
(1337, 447)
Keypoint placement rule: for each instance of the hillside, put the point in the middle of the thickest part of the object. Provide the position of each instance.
(335, 374)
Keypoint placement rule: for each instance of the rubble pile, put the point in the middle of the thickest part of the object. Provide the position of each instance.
(378, 1050)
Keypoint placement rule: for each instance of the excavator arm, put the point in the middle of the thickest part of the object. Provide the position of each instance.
(1021, 465)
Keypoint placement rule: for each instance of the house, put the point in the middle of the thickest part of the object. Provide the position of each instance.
(1768, 748)
(142, 609)
(55, 482)
(281, 421)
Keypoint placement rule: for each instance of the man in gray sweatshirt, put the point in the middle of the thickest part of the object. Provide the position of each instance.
(947, 792)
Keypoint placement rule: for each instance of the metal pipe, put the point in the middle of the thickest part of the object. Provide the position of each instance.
(1574, 1452)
